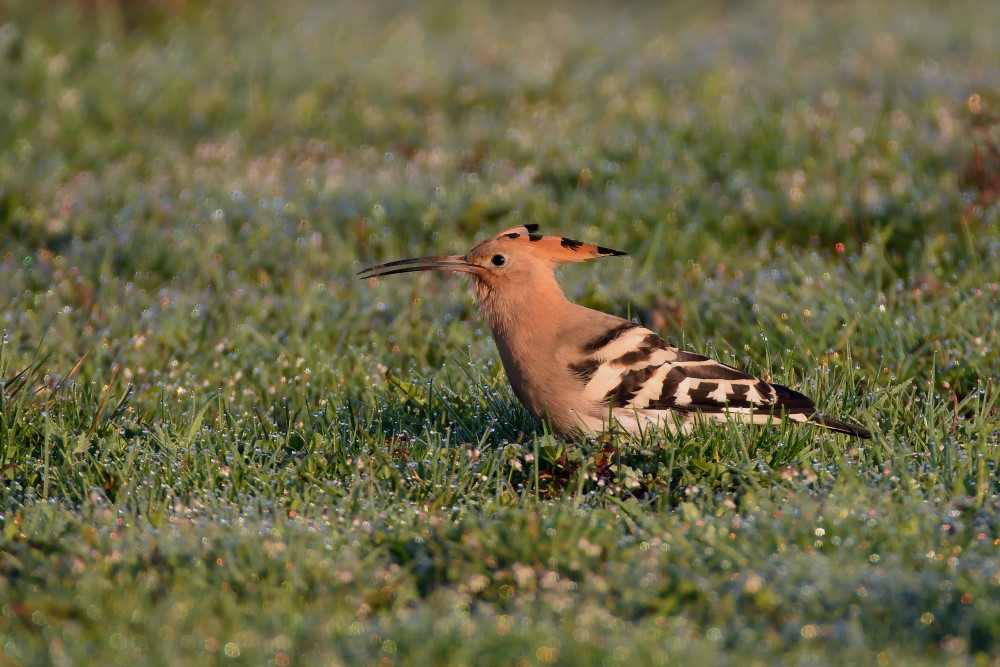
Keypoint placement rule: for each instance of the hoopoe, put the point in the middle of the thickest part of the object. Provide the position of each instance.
(585, 371)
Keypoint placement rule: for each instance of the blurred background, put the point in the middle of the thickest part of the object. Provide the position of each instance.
(207, 164)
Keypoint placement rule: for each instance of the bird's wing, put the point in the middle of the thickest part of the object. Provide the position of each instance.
(631, 367)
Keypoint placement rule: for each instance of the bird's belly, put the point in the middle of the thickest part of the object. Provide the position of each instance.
(638, 422)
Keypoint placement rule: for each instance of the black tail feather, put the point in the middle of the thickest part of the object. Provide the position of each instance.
(840, 427)
(795, 402)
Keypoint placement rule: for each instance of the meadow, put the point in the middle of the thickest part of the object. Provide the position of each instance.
(218, 446)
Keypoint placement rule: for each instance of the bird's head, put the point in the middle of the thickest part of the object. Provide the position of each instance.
(514, 258)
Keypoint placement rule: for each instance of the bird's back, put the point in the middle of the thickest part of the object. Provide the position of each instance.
(625, 370)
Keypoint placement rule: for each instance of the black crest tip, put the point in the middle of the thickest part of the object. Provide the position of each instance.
(610, 252)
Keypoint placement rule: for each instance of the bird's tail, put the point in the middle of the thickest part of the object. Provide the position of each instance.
(801, 409)
(839, 426)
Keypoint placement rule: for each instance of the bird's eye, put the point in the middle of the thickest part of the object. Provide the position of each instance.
(499, 260)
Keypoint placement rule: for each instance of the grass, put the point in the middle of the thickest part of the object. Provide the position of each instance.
(216, 445)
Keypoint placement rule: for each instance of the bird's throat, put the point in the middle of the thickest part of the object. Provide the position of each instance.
(522, 315)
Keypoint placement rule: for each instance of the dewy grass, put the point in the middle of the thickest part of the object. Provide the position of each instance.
(216, 445)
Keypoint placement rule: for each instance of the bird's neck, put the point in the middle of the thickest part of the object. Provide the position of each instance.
(526, 322)
(522, 316)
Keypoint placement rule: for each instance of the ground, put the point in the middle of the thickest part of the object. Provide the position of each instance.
(217, 445)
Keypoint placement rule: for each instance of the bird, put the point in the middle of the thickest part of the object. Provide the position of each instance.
(584, 371)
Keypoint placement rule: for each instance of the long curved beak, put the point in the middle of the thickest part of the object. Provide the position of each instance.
(439, 263)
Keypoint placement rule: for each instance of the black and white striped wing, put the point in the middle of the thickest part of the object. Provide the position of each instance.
(631, 368)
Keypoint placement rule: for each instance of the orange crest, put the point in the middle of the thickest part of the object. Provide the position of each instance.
(555, 249)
